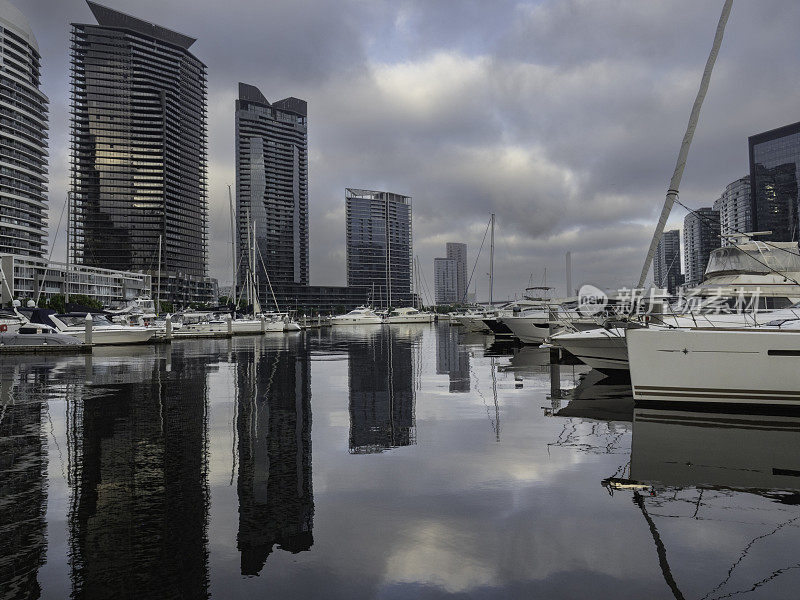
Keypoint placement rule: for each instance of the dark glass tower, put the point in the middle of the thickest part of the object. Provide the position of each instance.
(138, 142)
(700, 236)
(23, 139)
(774, 162)
(667, 263)
(379, 244)
(271, 192)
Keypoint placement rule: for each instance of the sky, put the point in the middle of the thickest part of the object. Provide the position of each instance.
(562, 117)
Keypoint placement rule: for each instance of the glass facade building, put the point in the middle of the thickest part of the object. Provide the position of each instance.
(735, 209)
(445, 280)
(667, 263)
(380, 244)
(700, 237)
(23, 139)
(138, 149)
(458, 253)
(774, 161)
(271, 192)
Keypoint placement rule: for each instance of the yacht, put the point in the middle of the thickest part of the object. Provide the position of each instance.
(36, 334)
(10, 321)
(602, 348)
(103, 330)
(720, 366)
(363, 315)
(409, 315)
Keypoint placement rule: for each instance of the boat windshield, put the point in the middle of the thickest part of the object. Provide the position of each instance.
(80, 321)
(754, 258)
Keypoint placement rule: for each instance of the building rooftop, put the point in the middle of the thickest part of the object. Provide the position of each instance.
(108, 17)
(12, 17)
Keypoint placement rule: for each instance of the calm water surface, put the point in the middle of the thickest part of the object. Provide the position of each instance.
(402, 462)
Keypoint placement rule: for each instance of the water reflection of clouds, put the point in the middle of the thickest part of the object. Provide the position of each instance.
(459, 513)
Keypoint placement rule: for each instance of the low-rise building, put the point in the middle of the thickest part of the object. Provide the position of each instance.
(33, 278)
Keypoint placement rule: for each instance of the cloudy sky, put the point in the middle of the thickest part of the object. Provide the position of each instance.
(564, 117)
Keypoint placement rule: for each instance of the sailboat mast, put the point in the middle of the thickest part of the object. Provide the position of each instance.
(675, 182)
(233, 247)
(491, 267)
(66, 278)
(158, 287)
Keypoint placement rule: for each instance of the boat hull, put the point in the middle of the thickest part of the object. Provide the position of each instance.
(410, 319)
(356, 321)
(601, 349)
(714, 366)
(121, 336)
(529, 330)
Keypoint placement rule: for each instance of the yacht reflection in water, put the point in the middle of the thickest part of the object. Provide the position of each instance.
(138, 471)
(276, 502)
(690, 465)
(381, 382)
(758, 453)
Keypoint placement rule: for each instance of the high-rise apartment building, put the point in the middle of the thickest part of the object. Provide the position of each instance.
(735, 209)
(445, 280)
(271, 192)
(138, 139)
(774, 166)
(700, 237)
(458, 253)
(380, 244)
(23, 139)
(667, 262)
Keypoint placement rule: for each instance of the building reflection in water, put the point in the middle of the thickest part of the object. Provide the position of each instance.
(381, 382)
(23, 496)
(452, 358)
(138, 467)
(276, 501)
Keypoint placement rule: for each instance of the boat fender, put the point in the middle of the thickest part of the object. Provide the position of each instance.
(3, 328)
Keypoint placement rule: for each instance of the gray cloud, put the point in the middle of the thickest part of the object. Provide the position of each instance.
(564, 118)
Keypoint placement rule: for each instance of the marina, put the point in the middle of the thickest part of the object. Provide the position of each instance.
(416, 461)
(184, 414)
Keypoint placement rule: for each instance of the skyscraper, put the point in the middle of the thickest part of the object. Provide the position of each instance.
(445, 280)
(271, 191)
(700, 237)
(667, 263)
(138, 169)
(379, 244)
(735, 209)
(774, 160)
(458, 253)
(23, 140)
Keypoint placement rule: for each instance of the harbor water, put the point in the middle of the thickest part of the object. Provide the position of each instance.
(391, 462)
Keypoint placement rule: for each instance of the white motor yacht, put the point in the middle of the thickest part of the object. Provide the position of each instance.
(36, 334)
(748, 365)
(409, 315)
(362, 315)
(602, 349)
(103, 330)
(10, 321)
(531, 326)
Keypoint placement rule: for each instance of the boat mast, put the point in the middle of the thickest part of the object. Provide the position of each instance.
(66, 274)
(491, 268)
(233, 248)
(675, 182)
(158, 287)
